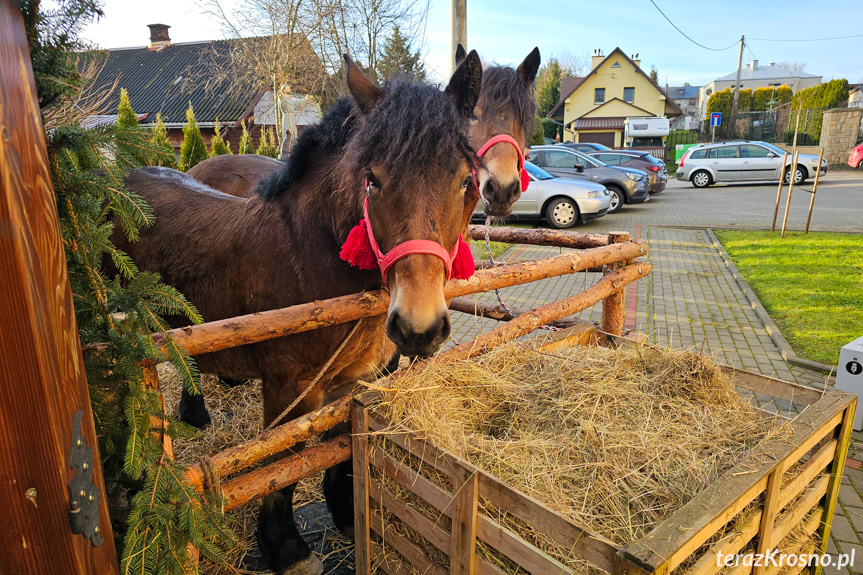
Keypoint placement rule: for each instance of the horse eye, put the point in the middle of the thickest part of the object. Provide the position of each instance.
(466, 182)
(373, 181)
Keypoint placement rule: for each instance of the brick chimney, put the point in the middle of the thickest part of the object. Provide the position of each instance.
(159, 39)
(597, 58)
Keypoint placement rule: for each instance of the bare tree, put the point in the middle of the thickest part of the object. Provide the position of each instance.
(794, 67)
(574, 66)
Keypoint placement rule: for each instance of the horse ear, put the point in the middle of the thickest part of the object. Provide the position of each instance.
(465, 83)
(460, 54)
(527, 70)
(362, 89)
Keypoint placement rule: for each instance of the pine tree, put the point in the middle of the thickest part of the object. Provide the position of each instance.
(154, 514)
(218, 147)
(159, 139)
(126, 116)
(547, 87)
(268, 146)
(399, 60)
(654, 74)
(246, 141)
(193, 150)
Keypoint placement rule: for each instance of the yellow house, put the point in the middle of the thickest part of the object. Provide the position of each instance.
(593, 108)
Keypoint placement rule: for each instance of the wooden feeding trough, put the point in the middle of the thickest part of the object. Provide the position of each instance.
(789, 481)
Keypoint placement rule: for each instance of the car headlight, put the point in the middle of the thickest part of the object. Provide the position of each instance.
(633, 177)
(594, 194)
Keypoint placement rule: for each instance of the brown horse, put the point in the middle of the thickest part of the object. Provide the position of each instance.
(235, 175)
(505, 107)
(405, 152)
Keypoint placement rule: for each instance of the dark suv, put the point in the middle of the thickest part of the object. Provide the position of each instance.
(626, 185)
(655, 169)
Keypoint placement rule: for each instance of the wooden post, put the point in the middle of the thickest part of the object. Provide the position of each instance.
(768, 515)
(814, 189)
(360, 445)
(464, 521)
(791, 177)
(614, 306)
(150, 382)
(779, 191)
(44, 400)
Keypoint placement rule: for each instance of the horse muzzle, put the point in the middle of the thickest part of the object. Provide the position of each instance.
(498, 199)
(414, 338)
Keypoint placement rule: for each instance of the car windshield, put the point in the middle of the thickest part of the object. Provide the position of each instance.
(599, 146)
(650, 158)
(537, 172)
(772, 148)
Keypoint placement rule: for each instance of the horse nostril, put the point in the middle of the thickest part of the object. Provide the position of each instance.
(488, 191)
(445, 327)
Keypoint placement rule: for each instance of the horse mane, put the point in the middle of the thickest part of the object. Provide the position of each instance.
(503, 90)
(411, 124)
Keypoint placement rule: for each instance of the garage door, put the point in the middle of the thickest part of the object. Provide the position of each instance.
(604, 138)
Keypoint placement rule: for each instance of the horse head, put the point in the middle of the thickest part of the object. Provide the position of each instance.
(503, 116)
(411, 148)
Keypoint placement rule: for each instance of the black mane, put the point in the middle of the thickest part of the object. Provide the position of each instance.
(504, 91)
(412, 124)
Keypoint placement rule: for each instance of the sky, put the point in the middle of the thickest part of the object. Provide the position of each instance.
(505, 31)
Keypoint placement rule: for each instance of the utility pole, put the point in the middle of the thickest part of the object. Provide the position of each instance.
(458, 29)
(737, 82)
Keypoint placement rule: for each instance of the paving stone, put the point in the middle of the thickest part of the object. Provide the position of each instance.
(843, 531)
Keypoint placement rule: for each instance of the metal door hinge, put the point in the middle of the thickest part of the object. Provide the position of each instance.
(83, 495)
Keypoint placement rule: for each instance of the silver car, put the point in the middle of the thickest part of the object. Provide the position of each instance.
(563, 202)
(743, 161)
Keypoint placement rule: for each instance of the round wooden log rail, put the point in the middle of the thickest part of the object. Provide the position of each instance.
(540, 237)
(482, 309)
(274, 441)
(242, 330)
(287, 471)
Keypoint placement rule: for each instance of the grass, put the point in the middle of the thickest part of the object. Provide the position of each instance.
(812, 286)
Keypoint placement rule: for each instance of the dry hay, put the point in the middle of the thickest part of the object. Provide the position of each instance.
(617, 439)
(237, 415)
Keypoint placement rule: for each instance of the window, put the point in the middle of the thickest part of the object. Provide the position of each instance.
(533, 156)
(629, 95)
(556, 159)
(724, 152)
(599, 96)
(751, 151)
(699, 155)
(616, 64)
(610, 159)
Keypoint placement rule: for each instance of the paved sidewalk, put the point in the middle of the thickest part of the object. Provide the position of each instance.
(691, 300)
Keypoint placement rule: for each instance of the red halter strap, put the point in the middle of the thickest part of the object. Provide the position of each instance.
(410, 247)
(499, 139)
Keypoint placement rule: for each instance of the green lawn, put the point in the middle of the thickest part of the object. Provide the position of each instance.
(812, 286)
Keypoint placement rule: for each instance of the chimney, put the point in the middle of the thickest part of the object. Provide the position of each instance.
(635, 59)
(597, 58)
(753, 65)
(159, 39)
(771, 63)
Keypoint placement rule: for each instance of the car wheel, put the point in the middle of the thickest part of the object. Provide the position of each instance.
(799, 176)
(562, 213)
(617, 199)
(701, 179)
(860, 165)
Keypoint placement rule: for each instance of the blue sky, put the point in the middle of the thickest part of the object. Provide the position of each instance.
(506, 30)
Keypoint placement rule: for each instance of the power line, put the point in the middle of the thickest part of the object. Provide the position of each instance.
(807, 39)
(687, 37)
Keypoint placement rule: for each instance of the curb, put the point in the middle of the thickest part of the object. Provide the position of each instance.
(772, 329)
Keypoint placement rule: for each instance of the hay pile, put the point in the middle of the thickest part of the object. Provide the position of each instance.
(618, 439)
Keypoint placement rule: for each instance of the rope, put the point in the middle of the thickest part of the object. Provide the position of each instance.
(317, 377)
(494, 265)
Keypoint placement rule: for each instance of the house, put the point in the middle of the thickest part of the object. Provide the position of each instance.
(164, 77)
(686, 98)
(754, 76)
(855, 96)
(593, 108)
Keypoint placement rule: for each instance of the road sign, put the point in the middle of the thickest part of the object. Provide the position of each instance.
(716, 119)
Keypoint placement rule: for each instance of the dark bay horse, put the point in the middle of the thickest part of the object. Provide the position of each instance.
(404, 151)
(235, 175)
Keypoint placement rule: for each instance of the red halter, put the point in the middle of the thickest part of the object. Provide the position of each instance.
(361, 249)
(504, 138)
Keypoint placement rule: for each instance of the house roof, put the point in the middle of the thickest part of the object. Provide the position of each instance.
(683, 92)
(557, 111)
(754, 71)
(611, 123)
(166, 80)
(568, 86)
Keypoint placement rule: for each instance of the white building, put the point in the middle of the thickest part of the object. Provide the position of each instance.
(754, 76)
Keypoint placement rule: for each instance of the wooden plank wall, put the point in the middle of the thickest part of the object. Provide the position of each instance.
(42, 382)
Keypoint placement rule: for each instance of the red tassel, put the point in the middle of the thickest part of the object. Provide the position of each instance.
(462, 265)
(525, 180)
(357, 249)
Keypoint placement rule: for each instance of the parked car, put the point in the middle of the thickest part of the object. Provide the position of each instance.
(655, 169)
(626, 185)
(562, 202)
(549, 141)
(586, 147)
(855, 160)
(743, 161)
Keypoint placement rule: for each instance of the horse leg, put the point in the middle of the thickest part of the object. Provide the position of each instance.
(193, 411)
(281, 544)
(338, 488)
(231, 381)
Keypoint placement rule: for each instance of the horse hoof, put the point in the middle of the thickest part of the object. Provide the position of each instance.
(196, 418)
(347, 531)
(311, 565)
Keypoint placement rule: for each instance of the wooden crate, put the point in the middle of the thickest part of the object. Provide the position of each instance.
(791, 480)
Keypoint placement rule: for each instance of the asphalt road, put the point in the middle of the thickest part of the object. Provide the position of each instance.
(838, 206)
